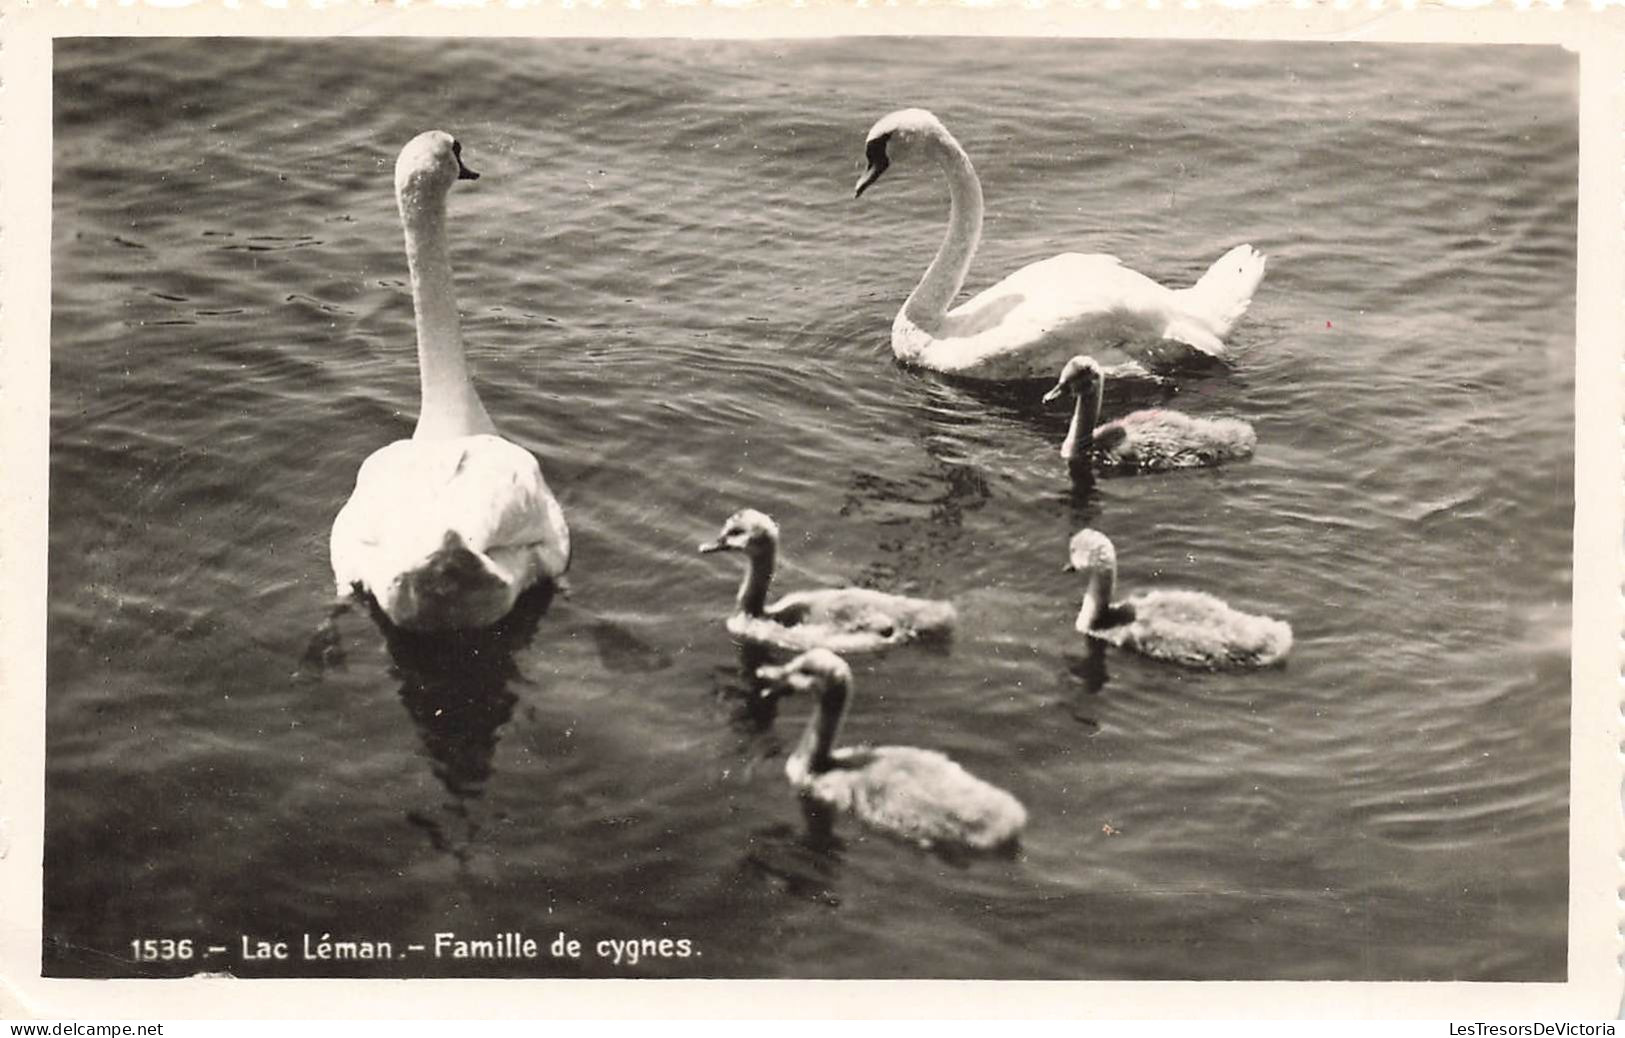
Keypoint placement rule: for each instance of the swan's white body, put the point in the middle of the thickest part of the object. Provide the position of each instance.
(841, 619)
(445, 530)
(1150, 441)
(1028, 324)
(919, 795)
(1190, 628)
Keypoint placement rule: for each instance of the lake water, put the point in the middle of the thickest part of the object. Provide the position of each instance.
(670, 296)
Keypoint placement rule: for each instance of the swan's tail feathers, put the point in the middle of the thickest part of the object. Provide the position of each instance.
(455, 588)
(1223, 293)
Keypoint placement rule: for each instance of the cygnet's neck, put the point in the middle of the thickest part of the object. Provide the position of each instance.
(758, 575)
(1099, 582)
(929, 302)
(450, 407)
(1081, 435)
(815, 750)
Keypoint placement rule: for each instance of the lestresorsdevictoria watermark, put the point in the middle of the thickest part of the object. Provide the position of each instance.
(1479, 1029)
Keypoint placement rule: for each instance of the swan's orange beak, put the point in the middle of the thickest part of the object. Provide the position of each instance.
(1054, 394)
(710, 546)
(1067, 567)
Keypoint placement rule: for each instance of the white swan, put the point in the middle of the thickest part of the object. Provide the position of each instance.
(919, 795)
(1190, 628)
(446, 529)
(845, 619)
(1149, 440)
(1027, 325)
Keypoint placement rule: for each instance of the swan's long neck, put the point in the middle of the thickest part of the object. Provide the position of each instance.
(1081, 435)
(758, 575)
(450, 406)
(929, 302)
(818, 741)
(1097, 597)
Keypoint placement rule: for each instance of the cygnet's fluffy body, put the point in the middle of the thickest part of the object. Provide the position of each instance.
(842, 619)
(1190, 628)
(919, 795)
(1152, 440)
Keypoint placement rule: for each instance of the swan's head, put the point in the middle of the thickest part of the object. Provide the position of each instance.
(747, 530)
(1092, 555)
(1082, 375)
(1091, 552)
(894, 138)
(815, 671)
(429, 164)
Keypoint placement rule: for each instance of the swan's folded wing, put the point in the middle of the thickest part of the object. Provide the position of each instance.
(500, 502)
(375, 533)
(411, 493)
(1192, 333)
(1030, 323)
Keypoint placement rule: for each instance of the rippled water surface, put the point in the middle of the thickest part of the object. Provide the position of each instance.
(670, 296)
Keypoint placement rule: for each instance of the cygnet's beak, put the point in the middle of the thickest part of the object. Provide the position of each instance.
(463, 172)
(710, 546)
(870, 175)
(1060, 387)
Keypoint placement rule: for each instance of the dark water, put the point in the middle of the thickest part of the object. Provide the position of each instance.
(671, 298)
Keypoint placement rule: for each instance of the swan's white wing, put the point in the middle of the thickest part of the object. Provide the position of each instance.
(1191, 332)
(412, 493)
(496, 499)
(1029, 324)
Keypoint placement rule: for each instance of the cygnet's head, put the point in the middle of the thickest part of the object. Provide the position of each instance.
(813, 671)
(429, 164)
(747, 530)
(1091, 552)
(1081, 375)
(894, 139)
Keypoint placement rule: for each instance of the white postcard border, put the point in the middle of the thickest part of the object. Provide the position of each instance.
(1595, 984)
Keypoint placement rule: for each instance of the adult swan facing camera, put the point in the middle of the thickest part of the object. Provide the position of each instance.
(445, 530)
(1027, 325)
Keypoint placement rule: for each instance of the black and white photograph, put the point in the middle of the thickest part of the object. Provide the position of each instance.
(989, 507)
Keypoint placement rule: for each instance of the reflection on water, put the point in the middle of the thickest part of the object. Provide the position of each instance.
(1083, 499)
(803, 861)
(457, 688)
(621, 650)
(1086, 677)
